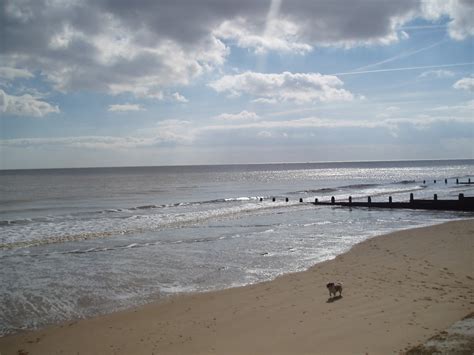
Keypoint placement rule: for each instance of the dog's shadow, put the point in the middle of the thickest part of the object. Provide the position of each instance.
(334, 299)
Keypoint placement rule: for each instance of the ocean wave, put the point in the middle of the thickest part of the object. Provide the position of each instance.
(120, 212)
(145, 207)
(405, 182)
(16, 221)
(359, 186)
(245, 198)
(133, 245)
(312, 191)
(144, 223)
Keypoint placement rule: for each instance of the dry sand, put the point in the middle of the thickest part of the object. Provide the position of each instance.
(399, 290)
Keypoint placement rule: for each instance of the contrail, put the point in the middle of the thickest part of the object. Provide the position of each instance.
(404, 68)
(399, 56)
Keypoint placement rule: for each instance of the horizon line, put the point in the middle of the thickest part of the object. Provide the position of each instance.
(242, 164)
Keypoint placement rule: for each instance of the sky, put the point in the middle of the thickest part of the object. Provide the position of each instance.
(177, 82)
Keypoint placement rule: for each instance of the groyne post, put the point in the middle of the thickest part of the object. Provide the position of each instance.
(457, 181)
(389, 199)
(445, 181)
(424, 182)
(350, 199)
(434, 181)
(411, 198)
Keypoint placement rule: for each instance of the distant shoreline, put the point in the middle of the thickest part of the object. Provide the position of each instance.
(399, 289)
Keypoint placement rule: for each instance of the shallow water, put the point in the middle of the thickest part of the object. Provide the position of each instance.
(80, 242)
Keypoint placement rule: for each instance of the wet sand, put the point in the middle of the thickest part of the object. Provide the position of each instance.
(399, 290)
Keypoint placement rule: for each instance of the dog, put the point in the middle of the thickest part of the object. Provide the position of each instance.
(333, 288)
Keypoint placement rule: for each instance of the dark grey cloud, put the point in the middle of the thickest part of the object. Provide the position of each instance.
(147, 46)
(349, 21)
(181, 20)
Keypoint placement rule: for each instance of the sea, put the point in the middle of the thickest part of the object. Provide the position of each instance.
(76, 243)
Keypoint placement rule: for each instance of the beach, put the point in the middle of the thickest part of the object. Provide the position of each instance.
(398, 290)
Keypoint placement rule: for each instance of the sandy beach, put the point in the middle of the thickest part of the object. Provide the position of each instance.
(399, 290)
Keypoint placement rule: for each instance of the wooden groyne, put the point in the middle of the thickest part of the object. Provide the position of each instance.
(461, 204)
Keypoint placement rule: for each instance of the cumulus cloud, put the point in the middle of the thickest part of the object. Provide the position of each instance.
(125, 108)
(152, 47)
(293, 87)
(279, 35)
(241, 116)
(103, 46)
(460, 13)
(465, 84)
(25, 105)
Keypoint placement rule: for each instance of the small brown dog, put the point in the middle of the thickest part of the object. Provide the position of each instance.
(334, 287)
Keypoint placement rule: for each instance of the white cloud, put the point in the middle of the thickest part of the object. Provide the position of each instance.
(170, 132)
(25, 105)
(467, 107)
(465, 84)
(440, 73)
(279, 35)
(389, 112)
(241, 116)
(423, 121)
(265, 134)
(460, 12)
(14, 73)
(89, 142)
(301, 123)
(183, 133)
(125, 67)
(179, 98)
(102, 46)
(125, 108)
(293, 87)
(261, 100)
(166, 132)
